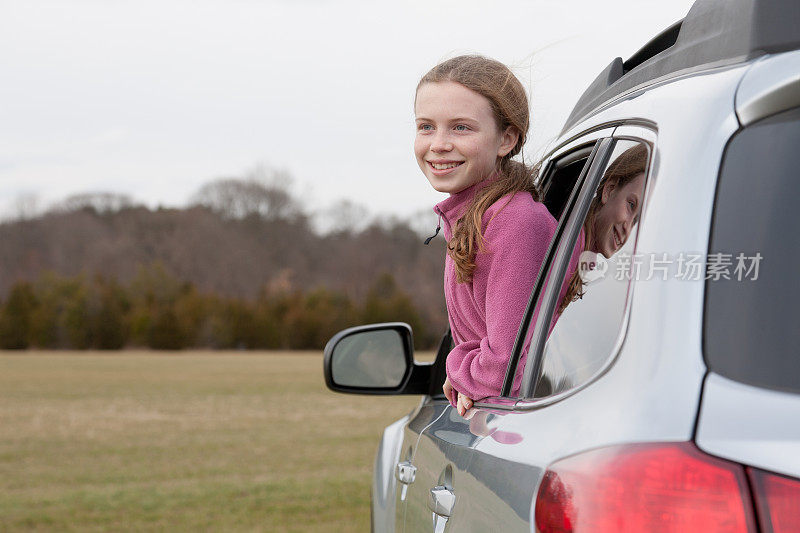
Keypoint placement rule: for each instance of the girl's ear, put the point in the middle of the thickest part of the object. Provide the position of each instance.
(608, 189)
(509, 139)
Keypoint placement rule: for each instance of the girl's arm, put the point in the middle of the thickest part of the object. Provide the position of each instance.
(517, 238)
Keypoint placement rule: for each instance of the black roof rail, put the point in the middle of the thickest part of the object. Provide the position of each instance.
(713, 33)
(657, 44)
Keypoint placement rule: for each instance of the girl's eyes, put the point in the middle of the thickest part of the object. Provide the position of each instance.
(429, 127)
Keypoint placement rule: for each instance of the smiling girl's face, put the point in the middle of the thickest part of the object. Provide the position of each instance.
(458, 142)
(616, 217)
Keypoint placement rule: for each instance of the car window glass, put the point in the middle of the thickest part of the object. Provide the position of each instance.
(751, 331)
(560, 181)
(591, 304)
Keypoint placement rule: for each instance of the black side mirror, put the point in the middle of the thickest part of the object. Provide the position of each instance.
(375, 359)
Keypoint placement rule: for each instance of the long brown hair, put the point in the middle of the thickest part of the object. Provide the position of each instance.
(630, 164)
(509, 104)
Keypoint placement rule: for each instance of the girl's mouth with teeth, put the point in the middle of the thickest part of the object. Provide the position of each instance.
(444, 166)
(617, 240)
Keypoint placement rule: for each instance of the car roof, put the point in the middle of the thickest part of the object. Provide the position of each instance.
(713, 33)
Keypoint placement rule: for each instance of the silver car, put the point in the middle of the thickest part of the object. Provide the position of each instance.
(666, 398)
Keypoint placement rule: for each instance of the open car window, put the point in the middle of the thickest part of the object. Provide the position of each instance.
(558, 184)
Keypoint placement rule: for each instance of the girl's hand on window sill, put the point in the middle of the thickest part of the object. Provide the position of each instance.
(449, 392)
(464, 404)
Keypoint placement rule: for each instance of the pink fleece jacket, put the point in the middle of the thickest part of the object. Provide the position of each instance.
(485, 313)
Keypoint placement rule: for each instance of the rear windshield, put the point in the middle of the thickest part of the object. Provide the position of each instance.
(752, 322)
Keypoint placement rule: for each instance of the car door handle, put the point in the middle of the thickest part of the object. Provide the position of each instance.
(441, 501)
(405, 472)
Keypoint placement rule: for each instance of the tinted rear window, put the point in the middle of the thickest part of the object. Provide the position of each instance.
(752, 325)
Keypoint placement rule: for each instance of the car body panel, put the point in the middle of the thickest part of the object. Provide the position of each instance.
(750, 425)
(384, 487)
(441, 456)
(418, 420)
(770, 86)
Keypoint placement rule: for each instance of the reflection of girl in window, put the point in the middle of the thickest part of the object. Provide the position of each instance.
(471, 119)
(613, 213)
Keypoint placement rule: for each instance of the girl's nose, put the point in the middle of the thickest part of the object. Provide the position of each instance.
(440, 143)
(626, 227)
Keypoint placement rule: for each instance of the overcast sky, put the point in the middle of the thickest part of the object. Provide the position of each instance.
(156, 98)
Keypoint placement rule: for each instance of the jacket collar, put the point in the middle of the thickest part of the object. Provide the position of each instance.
(453, 208)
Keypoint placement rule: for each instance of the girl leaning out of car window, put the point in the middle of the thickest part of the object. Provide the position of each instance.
(471, 120)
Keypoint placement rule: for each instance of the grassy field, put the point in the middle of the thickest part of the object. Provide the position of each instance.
(184, 441)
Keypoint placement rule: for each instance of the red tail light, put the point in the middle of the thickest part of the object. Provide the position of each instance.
(778, 501)
(644, 487)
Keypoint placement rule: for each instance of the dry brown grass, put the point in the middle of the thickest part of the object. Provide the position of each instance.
(189, 440)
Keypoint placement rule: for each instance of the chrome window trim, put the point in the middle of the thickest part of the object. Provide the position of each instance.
(585, 137)
(637, 131)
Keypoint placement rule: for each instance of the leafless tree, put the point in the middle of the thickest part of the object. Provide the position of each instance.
(26, 206)
(263, 192)
(245, 235)
(342, 216)
(100, 202)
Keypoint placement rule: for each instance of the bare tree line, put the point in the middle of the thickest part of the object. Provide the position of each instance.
(237, 238)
